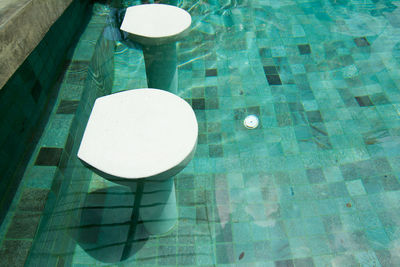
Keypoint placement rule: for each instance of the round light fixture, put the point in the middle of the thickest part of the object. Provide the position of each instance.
(251, 122)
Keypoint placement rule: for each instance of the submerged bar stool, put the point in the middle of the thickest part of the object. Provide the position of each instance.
(141, 138)
(157, 27)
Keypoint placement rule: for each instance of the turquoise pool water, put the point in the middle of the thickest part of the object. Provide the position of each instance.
(315, 184)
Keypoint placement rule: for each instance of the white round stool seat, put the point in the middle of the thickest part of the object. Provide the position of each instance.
(139, 133)
(155, 23)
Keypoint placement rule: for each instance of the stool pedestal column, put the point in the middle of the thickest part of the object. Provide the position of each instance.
(161, 66)
(157, 207)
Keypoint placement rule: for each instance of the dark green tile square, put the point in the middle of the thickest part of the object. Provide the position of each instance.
(23, 225)
(264, 52)
(211, 72)
(372, 185)
(349, 172)
(379, 99)
(185, 182)
(390, 182)
(366, 168)
(382, 165)
(201, 214)
(36, 90)
(364, 101)
(202, 139)
(198, 103)
(239, 113)
(346, 60)
(14, 252)
(33, 199)
(314, 116)
(296, 106)
(273, 79)
(67, 106)
(216, 151)
(49, 156)
(361, 41)
(304, 49)
(254, 110)
(270, 70)
(200, 197)
(386, 257)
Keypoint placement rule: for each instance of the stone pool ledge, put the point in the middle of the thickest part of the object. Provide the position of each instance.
(23, 24)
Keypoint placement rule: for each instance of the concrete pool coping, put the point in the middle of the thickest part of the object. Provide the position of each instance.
(21, 30)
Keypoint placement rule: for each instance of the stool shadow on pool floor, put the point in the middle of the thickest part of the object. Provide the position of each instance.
(109, 228)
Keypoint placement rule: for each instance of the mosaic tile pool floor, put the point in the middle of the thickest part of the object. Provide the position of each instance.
(317, 183)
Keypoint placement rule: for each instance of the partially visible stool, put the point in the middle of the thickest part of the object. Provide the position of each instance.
(141, 138)
(157, 27)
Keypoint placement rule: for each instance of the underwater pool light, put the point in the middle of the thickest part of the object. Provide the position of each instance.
(251, 122)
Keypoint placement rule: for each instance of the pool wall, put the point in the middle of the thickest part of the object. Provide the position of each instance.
(26, 97)
(92, 69)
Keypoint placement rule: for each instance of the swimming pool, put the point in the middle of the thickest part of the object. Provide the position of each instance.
(315, 184)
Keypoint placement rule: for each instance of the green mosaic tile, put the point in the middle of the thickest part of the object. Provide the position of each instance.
(317, 182)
